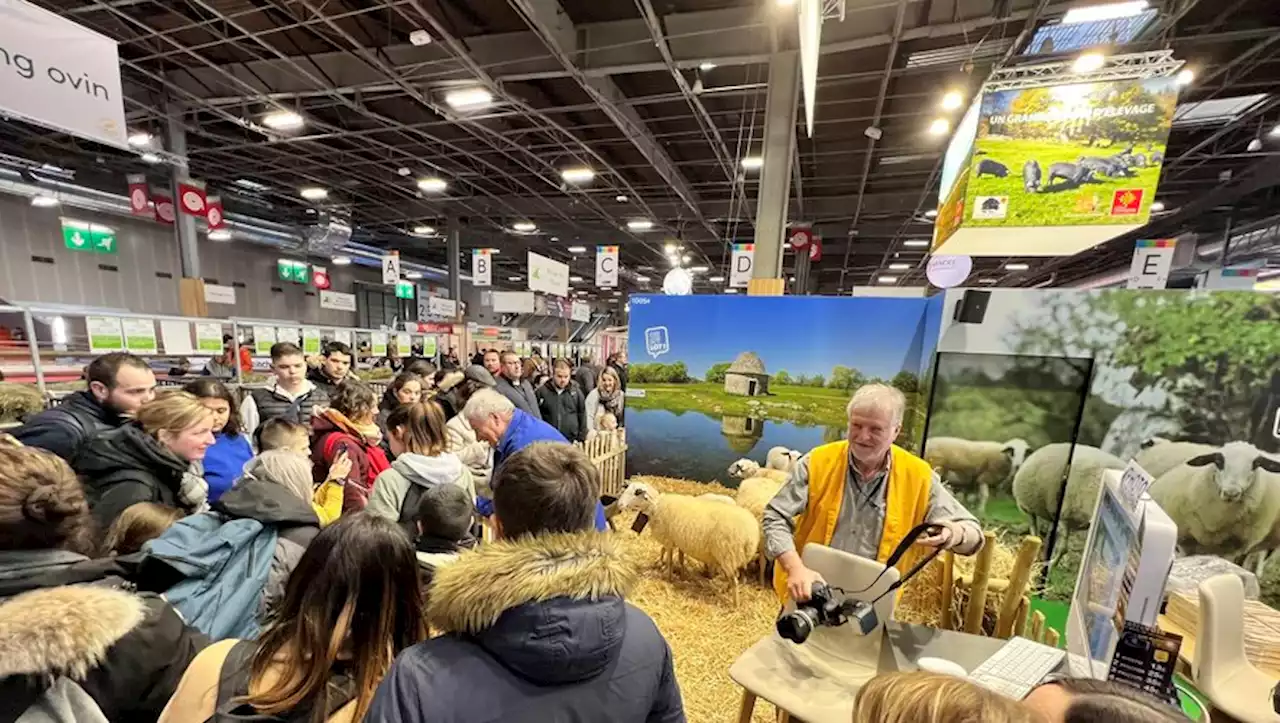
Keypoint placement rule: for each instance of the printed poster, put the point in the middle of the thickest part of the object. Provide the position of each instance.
(264, 337)
(310, 340)
(208, 337)
(105, 334)
(139, 335)
(378, 343)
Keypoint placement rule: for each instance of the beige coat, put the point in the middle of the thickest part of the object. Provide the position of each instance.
(197, 694)
(476, 455)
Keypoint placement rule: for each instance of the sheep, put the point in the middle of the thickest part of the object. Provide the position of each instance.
(965, 464)
(722, 537)
(1071, 173)
(1031, 176)
(1225, 502)
(1101, 166)
(745, 469)
(1037, 484)
(722, 499)
(754, 494)
(781, 458)
(993, 167)
(1159, 455)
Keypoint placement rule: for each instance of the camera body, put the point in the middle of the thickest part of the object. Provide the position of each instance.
(825, 609)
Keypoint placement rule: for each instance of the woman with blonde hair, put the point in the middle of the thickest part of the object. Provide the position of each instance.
(152, 459)
(606, 397)
(351, 605)
(934, 698)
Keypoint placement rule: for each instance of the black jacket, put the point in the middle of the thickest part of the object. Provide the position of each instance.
(520, 394)
(317, 377)
(125, 466)
(586, 376)
(540, 626)
(622, 374)
(64, 429)
(566, 410)
(127, 651)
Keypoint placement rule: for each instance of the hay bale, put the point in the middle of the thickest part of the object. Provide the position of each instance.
(920, 601)
(17, 401)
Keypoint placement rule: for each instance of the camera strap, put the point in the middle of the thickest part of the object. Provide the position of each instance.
(915, 534)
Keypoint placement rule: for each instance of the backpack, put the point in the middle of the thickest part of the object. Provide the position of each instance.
(233, 683)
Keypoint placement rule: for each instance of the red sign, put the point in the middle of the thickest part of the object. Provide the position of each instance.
(1126, 202)
(429, 327)
(213, 214)
(139, 200)
(800, 237)
(815, 249)
(319, 277)
(191, 198)
(164, 205)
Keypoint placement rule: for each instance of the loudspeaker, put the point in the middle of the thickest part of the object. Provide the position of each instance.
(972, 307)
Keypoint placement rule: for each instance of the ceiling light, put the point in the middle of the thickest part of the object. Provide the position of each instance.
(420, 37)
(986, 281)
(1089, 62)
(792, 279)
(576, 249)
(576, 279)
(251, 185)
(423, 230)
(341, 260)
(525, 226)
(577, 175)
(469, 99)
(1254, 146)
(621, 198)
(617, 293)
(141, 138)
(314, 193)
(642, 279)
(952, 100)
(413, 274)
(495, 252)
(639, 224)
(916, 242)
(150, 158)
(939, 127)
(730, 291)
(1274, 132)
(887, 279)
(685, 258)
(753, 163)
(581, 292)
(1185, 77)
(786, 244)
(706, 67)
(403, 171)
(899, 267)
(514, 278)
(669, 248)
(1108, 11)
(282, 120)
(220, 234)
(1016, 267)
(715, 279)
(675, 260)
(44, 201)
(699, 269)
(432, 185)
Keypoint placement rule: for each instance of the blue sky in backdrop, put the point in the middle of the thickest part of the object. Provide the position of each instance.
(801, 334)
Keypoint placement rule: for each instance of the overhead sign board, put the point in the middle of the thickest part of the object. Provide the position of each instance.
(514, 302)
(59, 74)
(548, 275)
(481, 267)
(337, 301)
(439, 306)
(580, 311)
(741, 265)
(1152, 260)
(606, 266)
(391, 268)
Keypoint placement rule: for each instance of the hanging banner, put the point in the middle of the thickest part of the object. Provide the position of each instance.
(139, 199)
(1152, 260)
(216, 294)
(139, 335)
(391, 268)
(548, 275)
(60, 75)
(213, 213)
(481, 267)
(191, 198)
(208, 337)
(430, 346)
(291, 334)
(378, 343)
(606, 266)
(162, 199)
(741, 265)
(175, 337)
(337, 301)
(580, 311)
(945, 271)
(310, 340)
(438, 306)
(1238, 278)
(514, 302)
(264, 337)
(105, 334)
(404, 344)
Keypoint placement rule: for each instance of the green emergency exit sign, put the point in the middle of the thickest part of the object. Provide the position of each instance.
(293, 271)
(404, 290)
(82, 236)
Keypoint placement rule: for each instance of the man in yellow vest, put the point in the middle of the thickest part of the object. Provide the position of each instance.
(861, 495)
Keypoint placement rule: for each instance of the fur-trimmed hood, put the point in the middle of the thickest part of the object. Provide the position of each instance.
(64, 630)
(549, 608)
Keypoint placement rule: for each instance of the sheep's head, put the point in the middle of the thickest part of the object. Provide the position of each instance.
(1016, 451)
(743, 469)
(638, 496)
(1239, 466)
(1150, 442)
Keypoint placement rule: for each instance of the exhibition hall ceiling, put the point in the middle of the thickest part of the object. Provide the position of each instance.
(661, 99)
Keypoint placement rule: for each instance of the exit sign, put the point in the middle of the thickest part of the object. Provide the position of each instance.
(404, 290)
(293, 271)
(81, 236)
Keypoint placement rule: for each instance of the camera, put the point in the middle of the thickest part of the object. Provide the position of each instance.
(824, 608)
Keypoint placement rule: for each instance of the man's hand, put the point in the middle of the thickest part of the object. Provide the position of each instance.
(950, 535)
(800, 583)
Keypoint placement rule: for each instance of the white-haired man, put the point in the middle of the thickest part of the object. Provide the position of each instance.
(862, 495)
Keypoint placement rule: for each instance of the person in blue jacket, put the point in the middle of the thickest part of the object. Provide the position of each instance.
(508, 430)
(536, 626)
(224, 461)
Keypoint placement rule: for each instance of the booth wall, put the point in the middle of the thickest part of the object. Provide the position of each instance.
(725, 377)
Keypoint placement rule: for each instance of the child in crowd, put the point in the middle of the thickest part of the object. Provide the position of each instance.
(348, 426)
(289, 394)
(444, 520)
(283, 435)
(934, 698)
(231, 449)
(139, 523)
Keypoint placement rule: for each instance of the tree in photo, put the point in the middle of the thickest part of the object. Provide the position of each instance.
(782, 377)
(715, 373)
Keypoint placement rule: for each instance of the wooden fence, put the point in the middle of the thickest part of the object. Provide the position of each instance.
(608, 450)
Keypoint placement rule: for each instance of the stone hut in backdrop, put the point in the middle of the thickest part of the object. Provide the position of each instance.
(747, 377)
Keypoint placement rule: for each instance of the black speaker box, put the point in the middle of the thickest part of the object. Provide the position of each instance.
(972, 307)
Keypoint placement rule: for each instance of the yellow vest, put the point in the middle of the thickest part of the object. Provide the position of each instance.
(906, 503)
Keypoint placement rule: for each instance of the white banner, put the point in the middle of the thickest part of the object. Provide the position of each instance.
(1152, 260)
(391, 269)
(337, 301)
(581, 311)
(378, 343)
(741, 265)
(606, 266)
(343, 335)
(404, 344)
(105, 334)
(215, 294)
(139, 335)
(513, 302)
(438, 306)
(481, 267)
(59, 74)
(548, 275)
(264, 337)
(291, 334)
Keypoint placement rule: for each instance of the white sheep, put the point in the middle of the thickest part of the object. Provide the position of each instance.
(781, 458)
(754, 494)
(1038, 481)
(746, 469)
(722, 537)
(722, 499)
(1159, 455)
(1225, 502)
(969, 464)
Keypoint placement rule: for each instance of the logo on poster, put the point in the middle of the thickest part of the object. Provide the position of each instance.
(656, 341)
(988, 207)
(1126, 202)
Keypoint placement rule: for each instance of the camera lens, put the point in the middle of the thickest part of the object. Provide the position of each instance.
(795, 626)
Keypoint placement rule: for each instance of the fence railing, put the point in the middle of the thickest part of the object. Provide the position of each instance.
(608, 450)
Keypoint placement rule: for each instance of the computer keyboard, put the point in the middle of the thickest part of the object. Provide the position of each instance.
(1017, 667)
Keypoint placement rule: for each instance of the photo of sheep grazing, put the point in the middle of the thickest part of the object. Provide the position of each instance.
(967, 465)
(1159, 455)
(1225, 502)
(1037, 482)
(722, 537)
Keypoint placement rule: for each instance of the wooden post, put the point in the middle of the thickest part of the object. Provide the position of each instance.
(1037, 626)
(747, 707)
(1028, 553)
(1051, 637)
(766, 287)
(947, 592)
(1020, 621)
(191, 299)
(978, 592)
